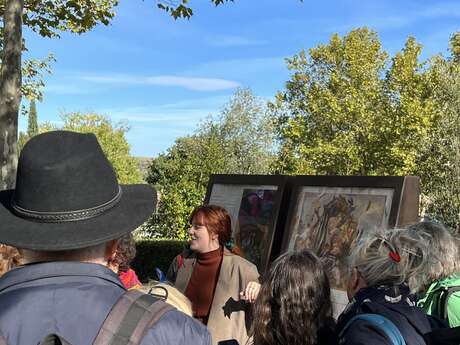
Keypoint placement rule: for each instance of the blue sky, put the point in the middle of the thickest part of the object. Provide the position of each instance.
(163, 76)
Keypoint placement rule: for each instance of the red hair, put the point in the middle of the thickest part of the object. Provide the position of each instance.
(218, 221)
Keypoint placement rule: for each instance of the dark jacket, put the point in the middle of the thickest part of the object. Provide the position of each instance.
(73, 299)
(396, 304)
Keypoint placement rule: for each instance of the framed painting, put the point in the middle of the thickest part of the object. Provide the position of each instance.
(253, 202)
(328, 213)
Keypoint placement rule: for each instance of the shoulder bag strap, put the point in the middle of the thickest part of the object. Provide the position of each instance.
(130, 318)
(52, 339)
(380, 322)
(444, 301)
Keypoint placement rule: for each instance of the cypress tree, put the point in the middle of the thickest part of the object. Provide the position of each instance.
(32, 127)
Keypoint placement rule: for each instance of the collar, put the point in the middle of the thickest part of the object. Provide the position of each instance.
(38, 271)
(376, 295)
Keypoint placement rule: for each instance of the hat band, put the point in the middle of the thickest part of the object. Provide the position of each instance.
(70, 216)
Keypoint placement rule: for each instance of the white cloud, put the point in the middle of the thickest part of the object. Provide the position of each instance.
(410, 17)
(190, 83)
(182, 114)
(67, 89)
(241, 68)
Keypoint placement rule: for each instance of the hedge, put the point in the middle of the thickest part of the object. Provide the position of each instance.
(154, 253)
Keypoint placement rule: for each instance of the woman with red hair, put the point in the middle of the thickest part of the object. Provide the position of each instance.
(217, 280)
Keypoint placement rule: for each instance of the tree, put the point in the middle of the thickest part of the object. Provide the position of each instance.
(238, 140)
(47, 18)
(10, 96)
(438, 160)
(181, 176)
(32, 125)
(348, 110)
(181, 9)
(244, 132)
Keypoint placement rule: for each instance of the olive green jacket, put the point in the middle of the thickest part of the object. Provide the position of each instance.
(229, 317)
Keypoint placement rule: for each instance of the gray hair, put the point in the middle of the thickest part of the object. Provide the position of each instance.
(390, 257)
(443, 250)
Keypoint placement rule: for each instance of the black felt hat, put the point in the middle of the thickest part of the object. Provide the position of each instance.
(67, 196)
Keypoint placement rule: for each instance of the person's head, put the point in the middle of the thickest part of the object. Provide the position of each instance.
(294, 301)
(103, 254)
(391, 257)
(443, 248)
(211, 228)
(68, 204)
(125, 253)
(9, 258)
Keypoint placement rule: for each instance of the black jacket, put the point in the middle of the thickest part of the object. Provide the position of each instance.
(394, 303)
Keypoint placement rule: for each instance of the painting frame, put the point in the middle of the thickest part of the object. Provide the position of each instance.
(403, 209)
(278, 216)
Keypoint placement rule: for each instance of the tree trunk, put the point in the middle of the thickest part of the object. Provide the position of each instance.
(10, 92)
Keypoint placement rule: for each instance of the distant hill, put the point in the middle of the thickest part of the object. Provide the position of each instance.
(144, 163)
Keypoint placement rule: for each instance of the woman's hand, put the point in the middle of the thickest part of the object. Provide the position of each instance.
(250, 293)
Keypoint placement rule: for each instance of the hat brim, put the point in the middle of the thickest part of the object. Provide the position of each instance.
(135, 207)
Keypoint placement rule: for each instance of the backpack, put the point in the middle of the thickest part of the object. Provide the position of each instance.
(436, 301)
(380, 322)
(127, 322)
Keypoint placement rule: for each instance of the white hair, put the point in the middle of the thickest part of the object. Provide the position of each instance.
(443, 250)
(390, 257)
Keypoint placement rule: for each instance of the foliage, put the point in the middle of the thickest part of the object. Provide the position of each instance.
(244, 132)
(154, 253)
(181, 177)
(50, 17)
(348, 110)
(238, 140)
(181, 9)
(32, 126)
(439, 156)
(33, 71)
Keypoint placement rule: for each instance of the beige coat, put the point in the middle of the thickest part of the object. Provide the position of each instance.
(229, 317)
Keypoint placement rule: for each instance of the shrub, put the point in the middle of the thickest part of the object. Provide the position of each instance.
(155, 253)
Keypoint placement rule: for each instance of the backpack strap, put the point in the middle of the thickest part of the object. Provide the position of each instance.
(130, 318)
(53, 339)
(380, 322)
(444, 301)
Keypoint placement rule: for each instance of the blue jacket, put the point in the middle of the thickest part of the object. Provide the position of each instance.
(73, 299)
(397, 306)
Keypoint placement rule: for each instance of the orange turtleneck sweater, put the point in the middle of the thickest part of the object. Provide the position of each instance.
(200, 289)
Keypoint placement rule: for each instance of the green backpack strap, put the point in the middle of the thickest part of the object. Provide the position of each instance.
(130, 318)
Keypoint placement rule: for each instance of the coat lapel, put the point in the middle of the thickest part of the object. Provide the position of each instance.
(184, 274)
